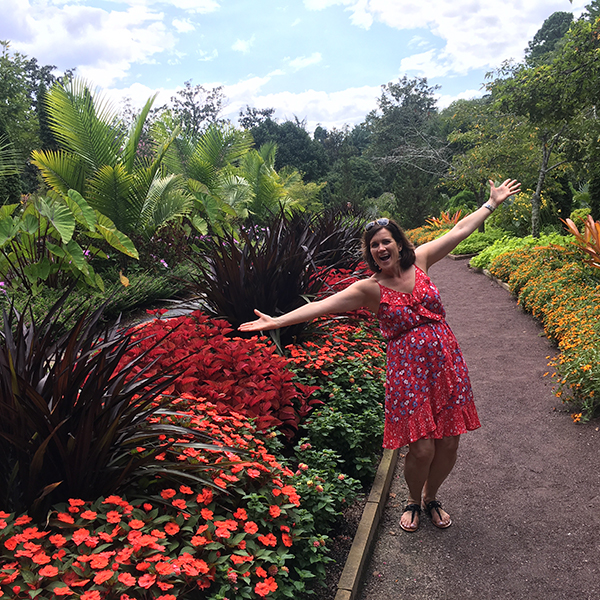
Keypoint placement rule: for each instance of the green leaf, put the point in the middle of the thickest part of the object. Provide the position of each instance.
(8, 229)
(83, 212)
(115, 238)
(77, 256)
(59, 215)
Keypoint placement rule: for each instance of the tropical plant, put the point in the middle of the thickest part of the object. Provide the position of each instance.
(208, 165)
(70, 422)
(99, 159)
(50, 241)
(274, 268)
(589, 241)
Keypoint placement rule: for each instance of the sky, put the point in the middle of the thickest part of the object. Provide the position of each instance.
(320, 61)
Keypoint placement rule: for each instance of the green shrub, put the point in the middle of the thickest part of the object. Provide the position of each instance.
(508, 244)
(478, 241)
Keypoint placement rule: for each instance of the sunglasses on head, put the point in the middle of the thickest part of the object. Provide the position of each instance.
(383, 222)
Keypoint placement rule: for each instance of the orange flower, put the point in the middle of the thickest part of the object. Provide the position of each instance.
(103, 576)
(48, 571)
(171, 528)
(126, 579)
(147, 581)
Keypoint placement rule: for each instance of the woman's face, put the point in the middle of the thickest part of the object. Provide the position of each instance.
(384, 249)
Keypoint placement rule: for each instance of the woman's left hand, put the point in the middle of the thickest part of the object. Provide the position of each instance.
(508, 188)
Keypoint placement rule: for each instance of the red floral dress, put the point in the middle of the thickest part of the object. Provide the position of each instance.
(428, 391)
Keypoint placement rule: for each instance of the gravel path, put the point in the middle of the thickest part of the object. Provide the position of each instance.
(525, 494)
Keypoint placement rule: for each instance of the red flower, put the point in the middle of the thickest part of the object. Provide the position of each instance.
(112, 516)
(268, 540)
(90, 595)
(63, 591)
(80, 536)
(171, 528)
(180, 504)
(241, 514)
(48, 571)
(164, 568)
(76, 502)
(23, 520)
(261, 572)
(126, 579)
(274, 510)
(90, 515)
(168, 493)
(184, 489)
(136, 524)
(207, 515)
(41, 558)
(262, 588)
(58, 540)
(146, 581)
(287, 540)
(103, 576)
(65, 518)
(250, 527)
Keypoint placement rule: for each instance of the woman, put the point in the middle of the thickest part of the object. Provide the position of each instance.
(429, 402)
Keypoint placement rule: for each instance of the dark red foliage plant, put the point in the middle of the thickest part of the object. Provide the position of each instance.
(237, 375)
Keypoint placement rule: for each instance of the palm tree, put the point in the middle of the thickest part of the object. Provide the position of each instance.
(99, 158)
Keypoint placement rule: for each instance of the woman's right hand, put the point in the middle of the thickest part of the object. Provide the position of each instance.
(263, 323)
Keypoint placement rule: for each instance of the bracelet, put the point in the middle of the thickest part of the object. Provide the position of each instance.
(489, 206)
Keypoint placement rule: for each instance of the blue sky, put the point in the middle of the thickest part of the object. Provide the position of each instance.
(319, 60)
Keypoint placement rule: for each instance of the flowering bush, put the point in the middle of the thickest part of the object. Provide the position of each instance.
(346, 363)
(244, 376)
(233, 539)
(558, 289)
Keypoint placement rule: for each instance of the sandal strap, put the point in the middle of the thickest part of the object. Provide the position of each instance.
(414, 509)
(434, 505)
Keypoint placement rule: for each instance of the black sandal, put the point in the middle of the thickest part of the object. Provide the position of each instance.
(414, 509)
(435, 505)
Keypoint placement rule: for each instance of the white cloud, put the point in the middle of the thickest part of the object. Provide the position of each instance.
(183, 25)
(243, 46)
(444, 100)
(193, 6)
(207, 56)
(333, 109)
(305, 61)
(101, 44)
(477, 33)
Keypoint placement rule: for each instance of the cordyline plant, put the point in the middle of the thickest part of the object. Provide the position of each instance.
(69, 421)
(275, 268)
(589, 241)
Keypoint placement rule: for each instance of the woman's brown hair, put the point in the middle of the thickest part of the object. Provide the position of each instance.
(407, 252)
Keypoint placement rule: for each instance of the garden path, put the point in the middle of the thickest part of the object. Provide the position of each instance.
(525, 494)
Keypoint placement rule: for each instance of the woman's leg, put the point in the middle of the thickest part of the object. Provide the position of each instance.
(444, 458)
(417, 464)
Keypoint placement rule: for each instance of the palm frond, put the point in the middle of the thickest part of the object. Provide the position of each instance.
(62, 171)
(84, 123)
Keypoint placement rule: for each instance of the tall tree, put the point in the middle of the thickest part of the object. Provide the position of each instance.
(542, 49)
(405, 145)
(295, 147)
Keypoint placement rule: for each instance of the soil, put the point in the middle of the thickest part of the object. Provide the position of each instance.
(525, 493)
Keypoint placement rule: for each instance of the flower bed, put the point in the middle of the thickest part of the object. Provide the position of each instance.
(235, 536)
(558, 289)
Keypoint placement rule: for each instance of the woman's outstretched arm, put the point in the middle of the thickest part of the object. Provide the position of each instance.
(360, 294)
(429, 253)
